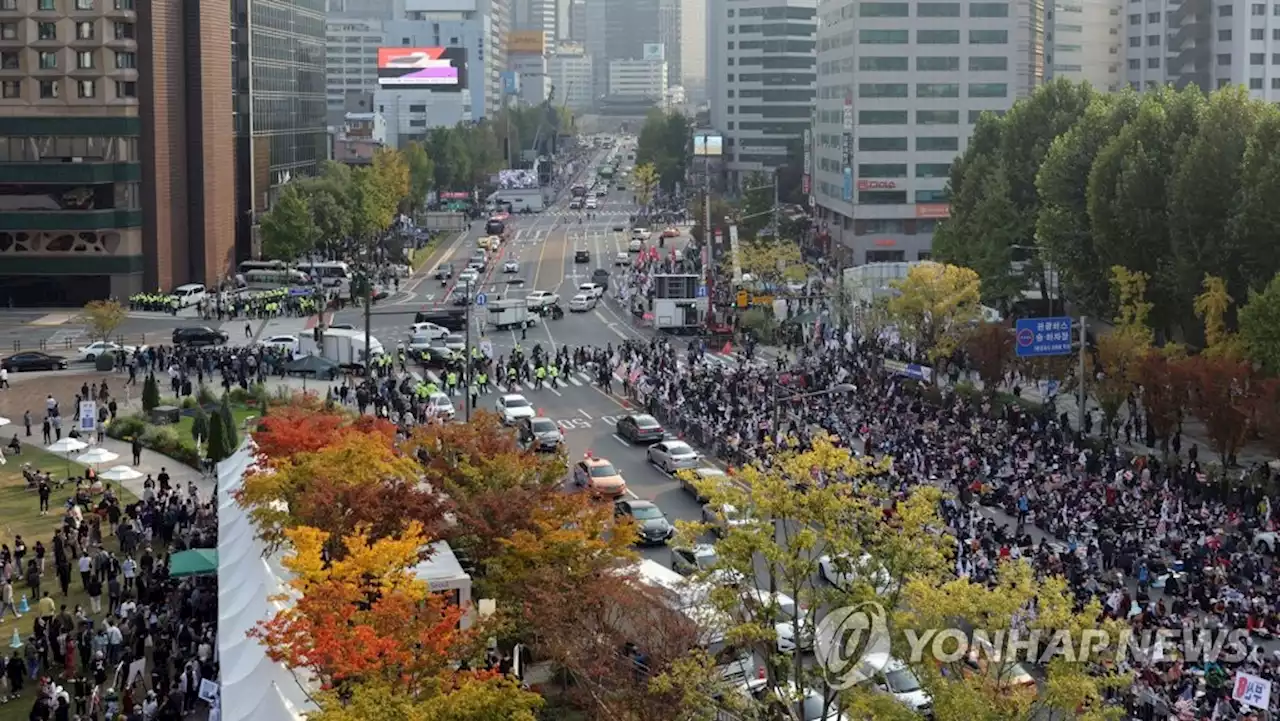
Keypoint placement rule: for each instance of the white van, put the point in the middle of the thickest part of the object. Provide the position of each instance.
(188, 295)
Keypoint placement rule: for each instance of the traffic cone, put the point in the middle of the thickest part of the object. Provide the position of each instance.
(23, 606)
(16, 641)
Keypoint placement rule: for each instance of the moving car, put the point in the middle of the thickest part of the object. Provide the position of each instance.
(468, 276)
(198, 335)
(843, 572)
(639, 428)
(687, 560)
(595, 290)
(689, 479)
(285, 343)
(621, 259)
(898, 680)
(189, 294)
(539, 434)
(581, 255)
(441, 406)
(652, 526)
(428, 329)
(455, 341)
(671, 233)
(581, 303)
(512, 407)
(812, 705)
(672, 456)
(451, 319)
(33, 361)
(722, 518)
(459, 297)
(539, 298)
(422, 342)
(575, 205)
(639, 234)
(635, 246)
(787, 611)
(592, 204)
(93, 350)
(511, 266)
(444, 271)
(600, 277)
(619, 227)
(599, 477)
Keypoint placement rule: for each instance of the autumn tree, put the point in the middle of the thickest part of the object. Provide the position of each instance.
(989, 347)
(103, 317)
(1113, 367)
(1223, 393)
(773, 261)
(304, 426)
(644, 181)
(469, 697)
(1211, 307)
(1164, 393)
(934, 306)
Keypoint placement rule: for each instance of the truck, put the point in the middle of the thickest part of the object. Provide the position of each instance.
(679, 315)
(443, 220)
(509, 313)
(344, 347)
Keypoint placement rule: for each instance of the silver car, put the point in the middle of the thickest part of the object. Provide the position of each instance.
(687, 560)
(672, 456)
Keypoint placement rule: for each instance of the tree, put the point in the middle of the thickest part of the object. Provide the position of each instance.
(644, 181)
(989, 347)
(288, 228)
(200, 425)
(103, 317)
(465, 697)
(934, 305)
(1267, 414)
(293, 429)
(1165, 390)
(756, 210)
(150, 393)
(218, 449)
(1113, 368)
(664, 142)
(1223, 395)
(719, 210)
(1256, 215)
(421, 174)
(1260, 326)
(773, 261)
(231, 437)
(1212, 307)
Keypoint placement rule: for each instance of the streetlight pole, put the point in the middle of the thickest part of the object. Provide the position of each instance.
(466, 361)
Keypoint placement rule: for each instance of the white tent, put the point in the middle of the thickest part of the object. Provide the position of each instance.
(249, 586)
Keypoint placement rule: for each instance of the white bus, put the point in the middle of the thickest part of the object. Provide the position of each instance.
(328, 273)
(249, 266)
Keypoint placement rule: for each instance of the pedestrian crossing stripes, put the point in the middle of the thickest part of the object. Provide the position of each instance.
(583, 379)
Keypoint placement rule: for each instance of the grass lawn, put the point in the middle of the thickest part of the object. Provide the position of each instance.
(19, 515)
(239, 413)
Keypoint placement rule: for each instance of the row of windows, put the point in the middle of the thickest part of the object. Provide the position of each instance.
(84, 60)
(34, 149)
(932, 90)
(77, 5)
(930, 63)
(83, 89)
(932, 10)
(772, 111)
(932, 37)
(775, 96)
(887, 197)
(83, 30)
(777, 13)
(899, 170)
(895, 226)
(896, 117)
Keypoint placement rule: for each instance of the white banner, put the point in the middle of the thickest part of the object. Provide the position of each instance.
(733, 254)
(1251, 690)
(88, 419)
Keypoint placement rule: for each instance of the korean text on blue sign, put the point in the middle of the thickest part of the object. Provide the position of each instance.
(1043, 337)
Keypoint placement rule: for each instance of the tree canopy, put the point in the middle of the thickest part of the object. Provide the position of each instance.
(665, 142)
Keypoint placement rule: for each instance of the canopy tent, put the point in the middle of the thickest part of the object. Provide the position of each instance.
(251, 588)
(196, 562)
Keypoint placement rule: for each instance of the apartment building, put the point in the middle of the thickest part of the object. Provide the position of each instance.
(761, 79)
(1083, 42)
(638, 79)
(115, 148)
(351, 61)
(900, 87)
(570, 72)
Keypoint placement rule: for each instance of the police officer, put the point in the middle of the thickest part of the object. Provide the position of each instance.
(554, 373)
(540, 375)
(451, 382)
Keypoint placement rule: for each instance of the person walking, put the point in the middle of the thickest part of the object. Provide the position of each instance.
(6, 599)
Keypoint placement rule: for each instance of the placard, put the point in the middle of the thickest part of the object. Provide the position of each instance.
(1251, 690)
(208, 691)
(87, 421)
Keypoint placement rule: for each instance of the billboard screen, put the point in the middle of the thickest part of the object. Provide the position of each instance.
(708, 144)
(526, 42)
(430, 68)
(517, 179)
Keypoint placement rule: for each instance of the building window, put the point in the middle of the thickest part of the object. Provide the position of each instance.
(124, 4)
(1255, 83)
(126, 60)
(937, 143)
(1135, 64)
(1224, 59)
(1258, 9)
(882, 90)
(11, 89)
(8, 31)
(886, 64)
(1275, 58)
(48, 89)
(8, 5)
(933, 170)
(988, 10)
(126, 89)
(938, 90)
(86, 88)
(879, 144)
(84, 4)
(84, 60)
(1224, 36)
(1153, 63)
(47, 60)
(937, 63)
(1135, 42)
(1257, 59)
(883, 10)
(884, 256)
(988, 90)
(982, 64)
(1258, 33)
(84, 30)
(932, 196)
(1153, 17)
(938, 10)
(937, 117)
(47, 31)
(1153, 41)
(417, 108)
(938, 37)
(1275, 83)
(47, 5)
(988, 37)
(1224, 11)
(124, 31)
(882, 117)
(883, 37)
(882, 197)
(882, 170)
(10, 60)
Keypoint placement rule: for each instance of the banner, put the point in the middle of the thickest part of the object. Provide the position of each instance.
(733, 254)
(87, 421)
(526, 42)
(848, 184)
(654, 52)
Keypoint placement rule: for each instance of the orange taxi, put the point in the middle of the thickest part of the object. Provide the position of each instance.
(599, 477)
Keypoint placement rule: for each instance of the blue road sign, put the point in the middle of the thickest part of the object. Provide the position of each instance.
(481, 299)
(1042, 337)
(702, 291)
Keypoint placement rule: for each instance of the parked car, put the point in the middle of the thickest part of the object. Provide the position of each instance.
(441, 406)
(430, 330)
(581, 255)
(93, 350)
(622, 258)
(539, 298)
(444, 271)
(33, 361)
(689, 477)
(724, 517)
(539, 434)
(188, 295)
(511, 266)
(639, 428)
(600, 277)
(687, 560)
(199, 335)
(595, 290)
(635, 246)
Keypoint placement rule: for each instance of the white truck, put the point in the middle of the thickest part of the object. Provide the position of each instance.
(509, 313)
(344, 347)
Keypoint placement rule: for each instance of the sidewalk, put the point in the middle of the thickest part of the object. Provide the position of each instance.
(152, 464)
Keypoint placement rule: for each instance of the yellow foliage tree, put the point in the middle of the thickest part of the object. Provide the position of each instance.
(103, 318)
(934, 306)
(775, 262)
(1113, 367)
(1211, 307)
(471, 699)
(644, 181)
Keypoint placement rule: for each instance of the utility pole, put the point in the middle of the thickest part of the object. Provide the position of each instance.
(368, 313)
(1084, 393)
(707, 235)
(466, 361)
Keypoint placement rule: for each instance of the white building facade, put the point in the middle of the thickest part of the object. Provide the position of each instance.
(571, 72)
(900, 87)
(351, 60)
(693, 49)
(638, 78)
(761, 79)
(1084, 42)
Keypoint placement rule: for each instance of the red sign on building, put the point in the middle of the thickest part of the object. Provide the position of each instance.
(876, 185)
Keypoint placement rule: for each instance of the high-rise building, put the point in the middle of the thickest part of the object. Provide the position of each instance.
(537, 15)
(762, 76)
(693, 49)
(619, 30)
(669, 29)
(1083, 41)
(900, 88)
(569, 69)
(351, 61)
(280, 94)
(577, 21)
(115, 149)
(638, 79)
(486, 65)
(412, 112)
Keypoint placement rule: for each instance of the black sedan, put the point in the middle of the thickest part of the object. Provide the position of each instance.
(640, 428)
(33, 361)
(652, 526)
(581, 256)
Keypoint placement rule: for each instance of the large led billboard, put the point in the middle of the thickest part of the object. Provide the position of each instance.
(423, 68)
(708, 144)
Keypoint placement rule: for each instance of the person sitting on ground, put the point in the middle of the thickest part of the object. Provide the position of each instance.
(15, 446)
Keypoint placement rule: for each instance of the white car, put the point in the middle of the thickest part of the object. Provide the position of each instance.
(595, 290)
(511, 266)
(786, 611)
(842, 572)
(813, 706)
(592, 204)
(581, 303)
(421, 342)
(512, 407)
(455, 342)
(93, 350)
(441, 406)
(672, 456)
(468, 276)
(621, 259)
(639, 234)
(431, 330)
(635, 246)
(722, 518)
(286, 343)
(189, 294)
(898, 680)
(539, 298)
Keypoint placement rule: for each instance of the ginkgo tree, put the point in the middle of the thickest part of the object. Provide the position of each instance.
(934, 305)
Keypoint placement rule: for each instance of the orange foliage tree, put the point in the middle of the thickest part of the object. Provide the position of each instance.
(365, 618)
(991, 353)
(1165, 390)
(300, 428)
(1223, 396)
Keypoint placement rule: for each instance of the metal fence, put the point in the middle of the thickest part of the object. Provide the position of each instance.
(697, 434)
(58, 345)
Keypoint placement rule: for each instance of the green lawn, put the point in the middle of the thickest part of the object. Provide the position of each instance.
(239, 413)
(20, 515)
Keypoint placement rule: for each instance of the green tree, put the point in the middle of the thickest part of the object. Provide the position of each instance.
(1260, 326)
(288, 228)
(217, 449)
(755, 210)
(665, 141)
(1256, 213)
(228, 423)
(150, 393)
(200, 425)
(422, 174)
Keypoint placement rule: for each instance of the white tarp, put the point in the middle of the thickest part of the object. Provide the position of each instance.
(252, 685)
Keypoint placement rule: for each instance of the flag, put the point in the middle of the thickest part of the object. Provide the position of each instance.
(727, 349)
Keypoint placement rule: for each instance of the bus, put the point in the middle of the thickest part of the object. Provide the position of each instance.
(249, 266)
(279, 278)
(328, 273)
(605, 172)
(578, 191)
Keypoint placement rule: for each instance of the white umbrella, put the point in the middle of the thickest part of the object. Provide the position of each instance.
(67, 445)
(120, 473)
(97, 457)
(4, 421)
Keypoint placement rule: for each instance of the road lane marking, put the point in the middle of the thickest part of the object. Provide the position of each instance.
(632, 495)
(618, 438)
(609, 325)
(584, 414)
